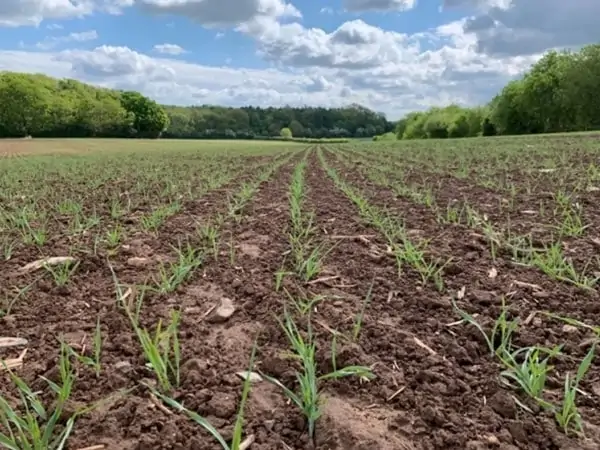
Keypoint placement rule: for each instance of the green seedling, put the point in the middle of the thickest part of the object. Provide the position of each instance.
(236, 442)
(305, 305)
(172, 275)
(500, 338)
(162, 351)
(530, 375)
(93, 362)
(310, 267)
(279, 276)
(358, 320)
(210, 236)
(114, 236)
(62, 273)
(8, 304)
(8, 247)
(567, 415)
(553, 263)
(308, 399)
(32, 426)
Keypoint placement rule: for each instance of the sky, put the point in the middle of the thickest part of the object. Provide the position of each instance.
(393, 56)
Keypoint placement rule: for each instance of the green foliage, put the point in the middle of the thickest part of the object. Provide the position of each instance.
(558, 94)
(41, 106)
(389, 136)
(286, 133)
(150, 119)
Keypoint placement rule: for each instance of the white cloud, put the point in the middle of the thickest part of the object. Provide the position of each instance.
(53, 41)
(466, 61)
(522, 27)
(326, 10)
(214, 13)
(169, 49)
(379, 5)
(14, 13)
(31, 12)
(54, 26)
(409, 79)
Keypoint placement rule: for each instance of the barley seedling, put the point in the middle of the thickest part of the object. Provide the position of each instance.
(93, 362)
(500, 338)
(8, 247)
(231, 246)
(308, 268)
(69, 207)
(172, 275)
(162, 351)
(7, 305)
(125, 300)
(572, 221)
(210, 236)
(236, 442)
(308, 399)
(114, 236)
(305, 305)
(553, 263)
(279, 276)
(358, 320)
(33, 426)
(567, 414)
(62, 273)
(530, 375)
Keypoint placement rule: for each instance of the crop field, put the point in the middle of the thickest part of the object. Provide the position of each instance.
(231, 295)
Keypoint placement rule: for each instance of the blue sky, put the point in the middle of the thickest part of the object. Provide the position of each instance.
(390, 55)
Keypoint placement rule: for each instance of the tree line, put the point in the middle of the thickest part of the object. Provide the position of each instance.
(558, 94)
(42, 106)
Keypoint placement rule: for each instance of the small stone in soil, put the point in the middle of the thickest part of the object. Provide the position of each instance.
(223, 312)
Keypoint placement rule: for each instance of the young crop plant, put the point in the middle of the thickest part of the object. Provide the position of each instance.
(7, 304)
(237, 202)
(237, 443)
(308, 397)
(308, 257)
(62, 273)
(527, 369)
(530, 374)
(162, 350)
(172, 275)
(552, 261)
(94, 360)
(499, 340)
(358, 320)
(156, 218)
(33, 426)
(114, 235)
(210, 235)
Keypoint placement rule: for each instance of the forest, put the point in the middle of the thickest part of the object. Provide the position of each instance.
(558, 94)
(40, 106)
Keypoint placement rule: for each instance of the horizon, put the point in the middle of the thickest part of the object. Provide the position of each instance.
(391, 56)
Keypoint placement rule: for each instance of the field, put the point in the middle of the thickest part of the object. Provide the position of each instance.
(232, 295)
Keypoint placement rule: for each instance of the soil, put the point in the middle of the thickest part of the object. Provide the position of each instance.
(435, 385)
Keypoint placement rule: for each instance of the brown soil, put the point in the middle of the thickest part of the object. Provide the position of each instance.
(436, 386)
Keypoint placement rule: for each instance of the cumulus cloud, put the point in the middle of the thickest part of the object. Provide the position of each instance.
(214, 13)
(354, 44)
(14, 13)
(379, 5)
(525, 27)
(31, 12)
(169, 49)
(54, 41)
